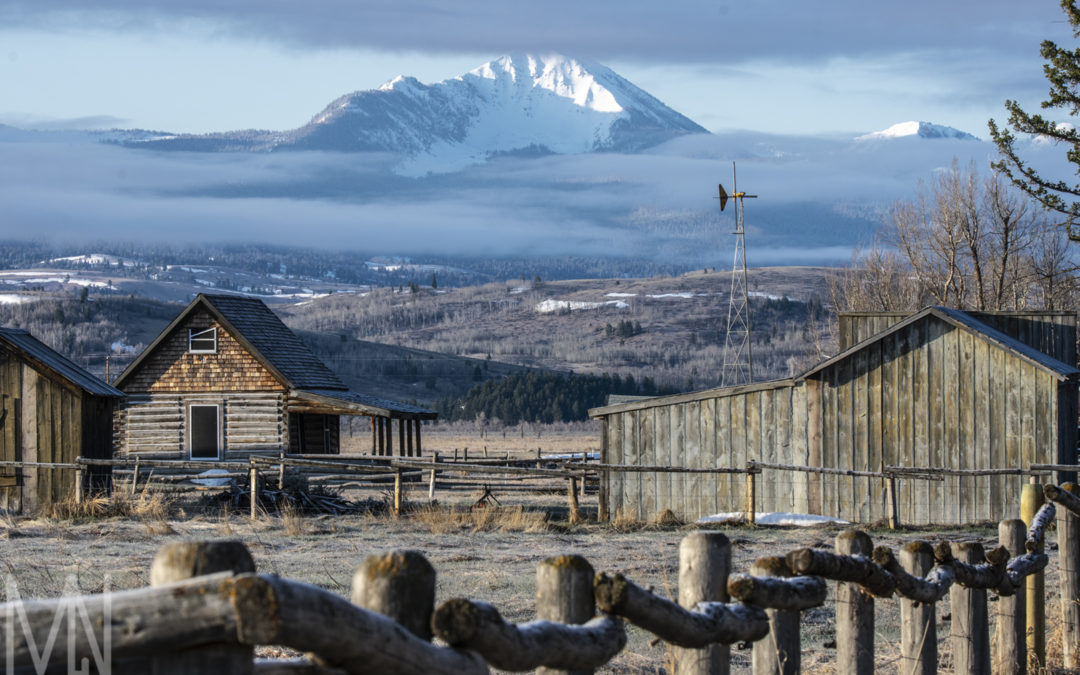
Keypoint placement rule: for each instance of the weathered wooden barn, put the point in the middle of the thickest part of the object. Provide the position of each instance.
(940, 388)
(227, 379)
(51, 410)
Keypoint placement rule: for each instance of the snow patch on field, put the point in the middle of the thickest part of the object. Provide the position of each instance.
(13, 299)
(551, 305)
(790, 519)
(620, 295)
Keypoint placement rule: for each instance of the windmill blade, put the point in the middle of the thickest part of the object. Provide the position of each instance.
(723, 197)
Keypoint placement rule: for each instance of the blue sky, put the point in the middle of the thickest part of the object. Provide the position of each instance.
(780, 66)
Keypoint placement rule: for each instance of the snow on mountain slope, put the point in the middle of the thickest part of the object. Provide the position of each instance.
(919, 129)
(521, 104)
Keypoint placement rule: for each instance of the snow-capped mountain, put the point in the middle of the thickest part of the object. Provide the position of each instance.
(919, 129)
(520, 104)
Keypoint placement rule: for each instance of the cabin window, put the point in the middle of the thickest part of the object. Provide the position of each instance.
(204, 431)
(202, 341)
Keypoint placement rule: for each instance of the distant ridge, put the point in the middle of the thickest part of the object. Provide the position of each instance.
(920, 130)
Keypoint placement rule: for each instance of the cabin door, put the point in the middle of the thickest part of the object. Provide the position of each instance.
(204, 431)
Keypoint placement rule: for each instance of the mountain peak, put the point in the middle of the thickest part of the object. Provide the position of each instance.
(560, 75)
(919, 129)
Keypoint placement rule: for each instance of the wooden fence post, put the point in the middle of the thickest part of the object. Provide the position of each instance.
(253, 476)
(78, 486)
(431, 484)
(575, 508)
(1031, 500)
(751, 498)
(854, 612)
(918, 624)
(970, 623)
(704, 565)
(1010, 641)
(894, 509)
(281, 471)
(779, 652)
(134, 477)
(400, 585)
(397, 492)
(564, 593)
(1068, 524)
(181, 560)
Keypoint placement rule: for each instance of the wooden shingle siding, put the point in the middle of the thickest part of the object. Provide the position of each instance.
(930, 393)
(170, 368)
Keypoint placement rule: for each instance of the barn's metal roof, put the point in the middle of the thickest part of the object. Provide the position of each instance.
(41, 355)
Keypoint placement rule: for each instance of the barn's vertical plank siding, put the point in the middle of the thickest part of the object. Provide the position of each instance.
(1013, 420)
(766, 451)
(800, 455)
(965, 428)
(860, 438)
(950, 388)
(738, 447)
(784, 418)
(724, 453)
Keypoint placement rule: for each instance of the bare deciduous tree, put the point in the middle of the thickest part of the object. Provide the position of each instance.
(965, 243)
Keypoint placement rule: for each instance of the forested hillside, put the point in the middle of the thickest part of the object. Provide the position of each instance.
(668, 329)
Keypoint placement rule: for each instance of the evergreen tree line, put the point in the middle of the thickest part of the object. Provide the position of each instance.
(542, 397)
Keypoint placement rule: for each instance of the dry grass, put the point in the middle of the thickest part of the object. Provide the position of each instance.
(149, 507)
(449, 520)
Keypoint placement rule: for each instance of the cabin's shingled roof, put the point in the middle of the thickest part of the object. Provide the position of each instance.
(254, 322)
(37, 351)
(277, 348)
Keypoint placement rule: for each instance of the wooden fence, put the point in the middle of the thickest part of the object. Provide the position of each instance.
(445, 474)
(207, 609)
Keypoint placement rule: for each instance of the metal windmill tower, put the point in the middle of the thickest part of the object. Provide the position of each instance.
(738, 363)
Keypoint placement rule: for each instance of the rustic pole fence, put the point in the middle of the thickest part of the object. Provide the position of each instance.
(188, 620)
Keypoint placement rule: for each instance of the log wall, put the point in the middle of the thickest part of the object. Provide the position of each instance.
(251, 422)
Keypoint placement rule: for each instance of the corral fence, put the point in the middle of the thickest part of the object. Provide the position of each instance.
(501, 474)
(207, 609)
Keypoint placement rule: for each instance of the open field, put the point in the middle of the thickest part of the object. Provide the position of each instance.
(489, 554)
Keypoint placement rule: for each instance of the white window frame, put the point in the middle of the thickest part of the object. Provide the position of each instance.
(220, 431)
(194, 334)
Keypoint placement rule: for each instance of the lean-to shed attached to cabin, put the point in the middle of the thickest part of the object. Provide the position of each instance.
(227, 379)
(939, 388)
(51, 410)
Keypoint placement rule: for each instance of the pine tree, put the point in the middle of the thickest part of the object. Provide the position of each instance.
(1062, 70)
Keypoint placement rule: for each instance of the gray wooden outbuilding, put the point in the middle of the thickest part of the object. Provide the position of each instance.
(51, 411)
(940, 388)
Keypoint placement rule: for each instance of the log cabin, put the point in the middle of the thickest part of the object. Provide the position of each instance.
(227, 379)
(51, 410)
(937, 389)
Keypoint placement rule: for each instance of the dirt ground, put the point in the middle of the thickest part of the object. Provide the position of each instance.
(488, 554)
